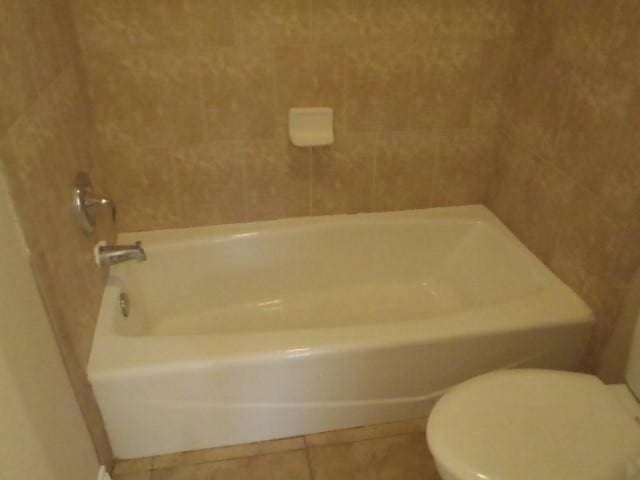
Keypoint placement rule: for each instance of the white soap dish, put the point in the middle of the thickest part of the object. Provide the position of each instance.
(311, 127)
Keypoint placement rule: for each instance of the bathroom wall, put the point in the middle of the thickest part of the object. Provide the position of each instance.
(568, 174)
(45, 122)
(43, 435)
(191, 100)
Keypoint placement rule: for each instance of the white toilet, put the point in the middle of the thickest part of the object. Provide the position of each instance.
(539, 424)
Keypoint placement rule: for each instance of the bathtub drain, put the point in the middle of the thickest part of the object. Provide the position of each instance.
(124, 304)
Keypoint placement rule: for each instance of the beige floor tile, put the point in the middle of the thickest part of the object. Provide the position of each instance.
(368, 432)
(134, 476)
(403, 457)
(226, 453)
(277, 466)
(132, 466)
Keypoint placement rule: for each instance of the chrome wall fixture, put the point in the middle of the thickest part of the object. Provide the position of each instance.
(108, 255)
(86, 203)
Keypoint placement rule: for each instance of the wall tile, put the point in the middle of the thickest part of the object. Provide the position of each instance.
(44, 49)
(586, 242)
(119, 25)
(463, 170)
(278, 180)
(581, 30)
(622, 55)
(308, 77)
(238, 93)
(66, 36)
(272, 22)
(620, 182)
(142, 181)
(541, 203)
(552, 203)
(379, 82)
(364, 21)
(429, 19)
(486, 118)
(446, 83)
(338, 21)
(146, 98)
(211, 22)
(390, 21)
(539, 104)
(515, 166)
(342, 176)
(491, 68)
(209, 184)
(177, 187)
(460, 18)
(585, 257)
(16, 90)
(595, 115)
(28, 146)
(404, 171)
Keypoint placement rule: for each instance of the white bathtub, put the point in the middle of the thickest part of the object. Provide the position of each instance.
(249, 332)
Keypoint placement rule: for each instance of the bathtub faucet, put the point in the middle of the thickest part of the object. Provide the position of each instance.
(113, 254)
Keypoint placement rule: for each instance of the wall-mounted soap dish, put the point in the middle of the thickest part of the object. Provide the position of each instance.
(311, 127)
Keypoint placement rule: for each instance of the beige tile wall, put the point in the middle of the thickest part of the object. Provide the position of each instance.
(44, 130)
(191, 101)
(568, 176)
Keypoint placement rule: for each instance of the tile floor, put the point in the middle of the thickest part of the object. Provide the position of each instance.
(395, 451)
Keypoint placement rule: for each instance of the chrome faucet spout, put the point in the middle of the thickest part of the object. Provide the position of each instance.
(113, 254)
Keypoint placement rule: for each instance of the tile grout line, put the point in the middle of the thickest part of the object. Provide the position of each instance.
(308, 456)
(374, 175)
(312, 154)
(435, 162)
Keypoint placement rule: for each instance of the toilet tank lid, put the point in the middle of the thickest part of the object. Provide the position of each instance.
(533, 424)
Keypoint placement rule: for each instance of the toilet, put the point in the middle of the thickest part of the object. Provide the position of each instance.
(539, 424)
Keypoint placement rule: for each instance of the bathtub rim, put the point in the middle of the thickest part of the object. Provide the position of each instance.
(472, 214)
(114, 355)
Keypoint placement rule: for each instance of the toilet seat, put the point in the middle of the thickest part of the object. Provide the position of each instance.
(532, 424)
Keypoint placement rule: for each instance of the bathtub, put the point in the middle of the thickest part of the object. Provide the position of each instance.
(241, 333)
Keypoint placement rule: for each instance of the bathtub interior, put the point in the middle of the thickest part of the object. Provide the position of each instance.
(329, 274)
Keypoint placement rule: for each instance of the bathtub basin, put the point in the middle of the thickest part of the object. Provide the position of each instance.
(241, 333)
